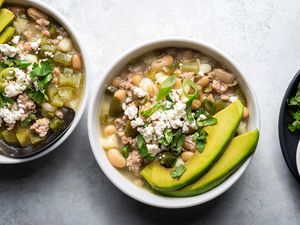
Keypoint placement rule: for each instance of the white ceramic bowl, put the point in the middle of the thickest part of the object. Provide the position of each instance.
(114, 175)
(52, 12)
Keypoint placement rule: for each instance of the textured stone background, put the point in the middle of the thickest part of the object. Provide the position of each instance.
(67, 186)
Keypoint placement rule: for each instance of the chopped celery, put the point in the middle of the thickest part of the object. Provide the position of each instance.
(20, 25)
(7, 34)
(51, 91)
(6, 17)
(66, 80)
(190, 67)
(64, 59)
(36, 139)
(240, 95)
(56, 124)
(53, 31)
(10, 136)
(68, 70)
(66, 93)
(47, 48)
(57, 101)
(169, 70)
(77, 77)
(219, 105)
(23, 136)
(47, 114)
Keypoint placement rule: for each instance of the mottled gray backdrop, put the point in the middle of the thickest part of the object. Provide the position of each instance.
(263, 37)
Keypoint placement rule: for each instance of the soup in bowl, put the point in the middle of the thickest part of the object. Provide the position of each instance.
(43, 77)
(175, 120)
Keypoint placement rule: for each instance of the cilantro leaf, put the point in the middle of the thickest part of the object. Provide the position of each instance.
(200, 139)
(4, 100)
(28, 120)
(37, 96)
(125, 150)
(168, 137)
(178, 171)
(178, 141)
(41, 69)
(22, 64)
(210, 121)
(142, 148)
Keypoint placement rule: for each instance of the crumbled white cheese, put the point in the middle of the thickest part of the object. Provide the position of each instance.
(49, 54)
(137, 122)
(8, 50)
(131, 112)
(59, 37)
(15, 39)
(140, 93)
(153, 149)
(10, 116)
(202, 117)
(35, 44)
(233, 98)
(128, 100)
(12, 89)
(147, 132)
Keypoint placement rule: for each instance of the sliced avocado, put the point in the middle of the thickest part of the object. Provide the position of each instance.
(219, 136)
(240, 148)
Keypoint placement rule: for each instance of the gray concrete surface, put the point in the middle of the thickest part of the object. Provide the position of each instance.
(67, 186)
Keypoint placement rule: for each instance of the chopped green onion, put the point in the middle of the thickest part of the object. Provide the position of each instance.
(190, 90)
(152, 110)
(165, 87)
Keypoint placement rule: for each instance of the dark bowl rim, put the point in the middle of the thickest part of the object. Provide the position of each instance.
(284, 150)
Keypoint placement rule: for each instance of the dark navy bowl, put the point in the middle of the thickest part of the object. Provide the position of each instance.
(289, 141)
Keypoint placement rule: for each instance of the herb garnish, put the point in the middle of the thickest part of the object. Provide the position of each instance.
(142, 147)
(43, 71)
(152, 110)
(200, 139)
(125, 150)
(178, 171)
(4, 100)
(165, 87)
(295, 112)
(30, 118)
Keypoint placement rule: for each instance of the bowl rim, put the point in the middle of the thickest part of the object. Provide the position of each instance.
(85, 95)
(136, 194)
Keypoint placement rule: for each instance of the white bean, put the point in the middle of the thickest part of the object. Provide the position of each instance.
(65, 45)
(109, 130)
(116, 158)
(185, 156)
(36, 14)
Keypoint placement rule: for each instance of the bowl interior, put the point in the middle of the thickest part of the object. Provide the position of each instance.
(79, 112)
(115, 176)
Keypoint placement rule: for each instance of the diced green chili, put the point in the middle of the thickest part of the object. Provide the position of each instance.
(190, 90)
(190, 67)
(64, 59)
(115, 108)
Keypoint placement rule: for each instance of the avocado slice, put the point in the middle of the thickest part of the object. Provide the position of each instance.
(6, 17)
(219, 136)
(240, 148)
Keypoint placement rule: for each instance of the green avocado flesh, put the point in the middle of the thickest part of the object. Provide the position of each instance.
(218, 138)
(240, 148)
